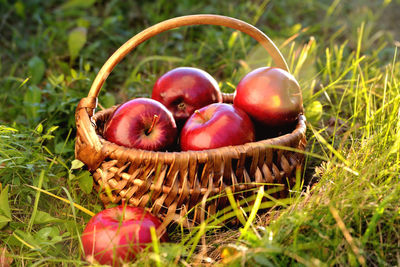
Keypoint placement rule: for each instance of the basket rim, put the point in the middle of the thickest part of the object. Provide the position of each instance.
(287, 138)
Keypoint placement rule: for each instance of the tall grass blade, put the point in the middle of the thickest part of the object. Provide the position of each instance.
(234, 206)
(254, 210)
(35, 205)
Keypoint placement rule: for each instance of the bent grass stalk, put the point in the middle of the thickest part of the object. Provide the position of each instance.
(73, 204)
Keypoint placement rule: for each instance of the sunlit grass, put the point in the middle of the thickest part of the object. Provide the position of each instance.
(349, 70)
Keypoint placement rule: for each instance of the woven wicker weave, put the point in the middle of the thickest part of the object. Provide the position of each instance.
(170, 184)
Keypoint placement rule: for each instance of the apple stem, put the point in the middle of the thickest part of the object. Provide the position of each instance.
(200, 115)
(153, 123)
(181, 106)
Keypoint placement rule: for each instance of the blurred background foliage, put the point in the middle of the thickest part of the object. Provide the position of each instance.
(60, 46)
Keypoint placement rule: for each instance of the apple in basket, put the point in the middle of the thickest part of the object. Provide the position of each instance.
(270, 96)
(185, 89)
(141, 123)
(216, 125)
(117, 234)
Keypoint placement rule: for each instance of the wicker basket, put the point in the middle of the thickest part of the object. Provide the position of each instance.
(170, 184)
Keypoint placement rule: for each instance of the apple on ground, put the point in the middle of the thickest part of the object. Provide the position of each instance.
(216, 125)
(115, 235)
(270, 96)
(142, 123)
(184, 90)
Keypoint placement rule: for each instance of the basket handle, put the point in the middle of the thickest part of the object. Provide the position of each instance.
(201, 19)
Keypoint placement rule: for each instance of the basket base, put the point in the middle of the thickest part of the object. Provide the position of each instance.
(136, 184)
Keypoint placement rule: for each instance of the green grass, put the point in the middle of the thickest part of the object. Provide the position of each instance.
(343, 53)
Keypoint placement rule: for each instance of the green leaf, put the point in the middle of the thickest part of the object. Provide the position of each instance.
(20, 9)
(4, 221)
(83, 22)
(314, 112)
(39, 128)
(86, 67)
(76, 164)
(32, 99)
(43, 217)
(233, 38)
(46, 234)
(76, 41)
(78, 4)
(108, 100)
(86, 182)
(74, 74)
(4, 205)
(71, 176)
(61, 148)
(52, 129)
(5, 129)
(36, 69)
(262, 260)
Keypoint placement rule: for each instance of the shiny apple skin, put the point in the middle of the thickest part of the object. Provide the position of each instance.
(130, 123)
(216, 125)
(184, 90)
(270, 96)
(117, 234)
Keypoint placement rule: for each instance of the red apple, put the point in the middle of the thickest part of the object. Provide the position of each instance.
(216, 125)
(183, 90)
(115, 235)
(270, 96)
(141, 123)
